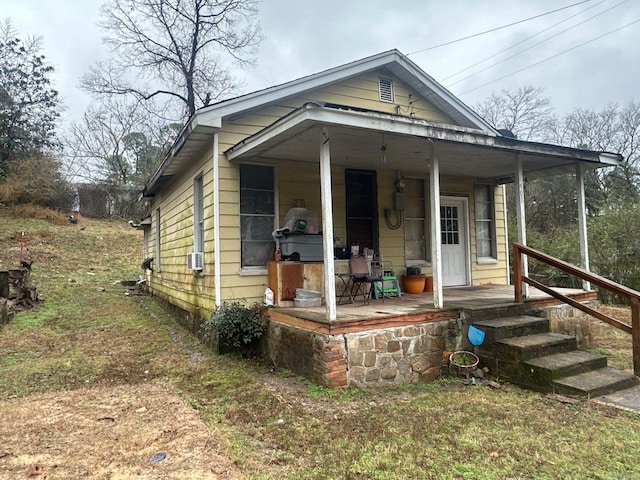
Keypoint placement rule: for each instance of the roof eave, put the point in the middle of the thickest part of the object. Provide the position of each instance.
(193, 125)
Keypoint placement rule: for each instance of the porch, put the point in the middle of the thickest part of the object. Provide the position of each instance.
(418, 308)
(405, 339)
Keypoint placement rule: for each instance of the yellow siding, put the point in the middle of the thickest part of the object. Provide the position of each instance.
(173, 282)
(195, 293)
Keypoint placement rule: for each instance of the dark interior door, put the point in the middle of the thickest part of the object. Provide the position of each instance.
(362, 209)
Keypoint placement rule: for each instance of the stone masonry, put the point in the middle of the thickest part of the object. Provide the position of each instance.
(407, 354)
(571, 321)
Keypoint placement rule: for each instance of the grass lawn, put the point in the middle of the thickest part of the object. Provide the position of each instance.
(93, 383)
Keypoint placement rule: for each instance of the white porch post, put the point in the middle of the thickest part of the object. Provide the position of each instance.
(327, 225)
(522, 228)
(582, 223)
(436, 239)
(216, 222)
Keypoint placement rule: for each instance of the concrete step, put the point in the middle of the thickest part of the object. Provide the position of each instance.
(628, 398)
(477, 313)
(543, 370)
(509, 327)
(595, 383)
(519, 349)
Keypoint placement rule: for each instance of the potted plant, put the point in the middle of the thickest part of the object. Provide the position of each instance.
(413, 281)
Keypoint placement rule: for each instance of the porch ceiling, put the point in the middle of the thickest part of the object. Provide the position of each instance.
(357, 138)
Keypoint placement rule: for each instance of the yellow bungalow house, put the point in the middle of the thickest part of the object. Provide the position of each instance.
(381, 156)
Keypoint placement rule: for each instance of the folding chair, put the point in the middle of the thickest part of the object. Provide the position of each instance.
(389, 286)
(361, 279)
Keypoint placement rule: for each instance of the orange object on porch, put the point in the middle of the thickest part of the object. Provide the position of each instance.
(428, 284)
(413, 283)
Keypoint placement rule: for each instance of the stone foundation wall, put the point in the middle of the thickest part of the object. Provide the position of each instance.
(408, 354)
(389, 356)
(571, 321)
(320, 358)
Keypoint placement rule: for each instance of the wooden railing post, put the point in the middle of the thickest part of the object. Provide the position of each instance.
(635, 334)
(517, 273)
(519, 279)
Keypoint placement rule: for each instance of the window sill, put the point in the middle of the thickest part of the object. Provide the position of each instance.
(418, 263)
(487, 261)
(249, 272)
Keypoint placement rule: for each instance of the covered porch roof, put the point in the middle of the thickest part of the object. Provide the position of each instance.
(358, 137)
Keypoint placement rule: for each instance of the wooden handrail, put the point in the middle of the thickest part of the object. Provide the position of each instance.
(632, 295)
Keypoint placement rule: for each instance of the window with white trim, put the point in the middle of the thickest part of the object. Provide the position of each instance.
(416, 222)
(156, 261)
(485, 222)
(257, 214)
(198, 215)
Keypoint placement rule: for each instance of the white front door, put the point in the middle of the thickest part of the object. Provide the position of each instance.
(453, 225)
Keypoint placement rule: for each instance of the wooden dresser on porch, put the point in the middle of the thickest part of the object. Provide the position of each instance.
(284, 277)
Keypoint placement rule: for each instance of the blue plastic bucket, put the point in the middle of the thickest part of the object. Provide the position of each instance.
(475, 335)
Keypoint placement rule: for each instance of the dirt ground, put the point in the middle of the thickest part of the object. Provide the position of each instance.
(109, 433)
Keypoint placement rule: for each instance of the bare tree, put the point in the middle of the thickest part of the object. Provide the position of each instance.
(113, 144)
(175, 49)
(612, 129)
(525, 112)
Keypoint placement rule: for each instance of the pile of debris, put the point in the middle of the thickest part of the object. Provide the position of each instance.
(16, 293)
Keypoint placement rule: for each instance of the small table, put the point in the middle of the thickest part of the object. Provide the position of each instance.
(345, 288)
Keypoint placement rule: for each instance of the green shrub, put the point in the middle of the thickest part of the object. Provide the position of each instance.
(559, 242)
(236, 325)
(614, 247)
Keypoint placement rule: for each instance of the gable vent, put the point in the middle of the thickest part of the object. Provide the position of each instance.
(385, 88)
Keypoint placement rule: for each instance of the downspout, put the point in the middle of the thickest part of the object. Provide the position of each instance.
(216, 222)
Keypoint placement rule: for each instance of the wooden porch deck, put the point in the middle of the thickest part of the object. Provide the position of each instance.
(412, 309)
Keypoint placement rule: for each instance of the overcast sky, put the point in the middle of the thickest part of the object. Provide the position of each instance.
(304, 37)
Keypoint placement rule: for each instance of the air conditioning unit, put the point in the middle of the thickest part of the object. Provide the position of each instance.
(195, 261)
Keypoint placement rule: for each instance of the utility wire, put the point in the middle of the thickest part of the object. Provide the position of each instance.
(496, 29)
(552, 57)
(536, 44)
(521, 42)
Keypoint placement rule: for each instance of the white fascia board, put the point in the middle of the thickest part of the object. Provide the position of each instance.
(212, 121)
(363, 120)
(611, 158)
(267, 134)
(402, 126)
(178, 144)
